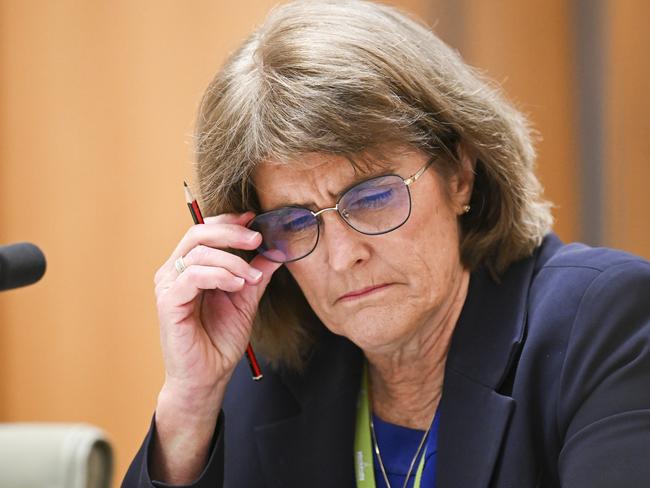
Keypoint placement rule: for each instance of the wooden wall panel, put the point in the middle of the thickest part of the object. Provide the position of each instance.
(97, 101)
(527, 47)
(627, 126)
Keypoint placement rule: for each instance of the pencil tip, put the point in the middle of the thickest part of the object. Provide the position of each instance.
(184, 184)
(188, 194)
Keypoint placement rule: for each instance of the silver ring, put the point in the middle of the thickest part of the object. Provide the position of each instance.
(179, 264)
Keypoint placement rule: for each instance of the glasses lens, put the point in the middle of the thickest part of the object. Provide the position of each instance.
(377, 205)
(288, 233)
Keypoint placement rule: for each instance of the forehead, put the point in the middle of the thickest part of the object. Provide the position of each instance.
(316, 180)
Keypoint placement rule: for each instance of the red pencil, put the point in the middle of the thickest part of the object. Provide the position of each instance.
(192, 204)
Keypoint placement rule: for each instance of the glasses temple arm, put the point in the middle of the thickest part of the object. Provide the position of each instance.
(420, 172)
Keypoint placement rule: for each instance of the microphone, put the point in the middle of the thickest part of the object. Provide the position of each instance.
(21, 264)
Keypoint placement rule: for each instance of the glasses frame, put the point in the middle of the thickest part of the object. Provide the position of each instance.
(407, 182)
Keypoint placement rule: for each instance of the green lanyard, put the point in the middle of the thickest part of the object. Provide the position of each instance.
(363, 465)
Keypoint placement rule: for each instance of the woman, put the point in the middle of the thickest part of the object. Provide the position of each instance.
(420, 325)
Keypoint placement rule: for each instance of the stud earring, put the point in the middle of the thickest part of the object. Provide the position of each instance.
(466, 209)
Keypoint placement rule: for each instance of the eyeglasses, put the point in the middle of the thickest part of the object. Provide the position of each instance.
(375, 206)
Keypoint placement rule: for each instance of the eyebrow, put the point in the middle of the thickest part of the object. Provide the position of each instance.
(388, 169)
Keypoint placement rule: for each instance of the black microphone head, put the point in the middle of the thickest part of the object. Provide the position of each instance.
(20, 265)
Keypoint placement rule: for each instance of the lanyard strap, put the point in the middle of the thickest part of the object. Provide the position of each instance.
(363, 463)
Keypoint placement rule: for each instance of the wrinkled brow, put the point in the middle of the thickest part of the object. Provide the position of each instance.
(360, 175)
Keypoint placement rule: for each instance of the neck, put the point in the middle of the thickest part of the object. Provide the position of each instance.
(406, 381)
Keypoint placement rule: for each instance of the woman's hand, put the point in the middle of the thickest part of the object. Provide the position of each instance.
(206, 315)
(206, 312)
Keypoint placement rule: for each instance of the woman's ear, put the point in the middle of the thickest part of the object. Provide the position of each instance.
(462, 183)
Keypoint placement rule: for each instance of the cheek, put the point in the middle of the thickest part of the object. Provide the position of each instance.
(434, 238)
(433, 229)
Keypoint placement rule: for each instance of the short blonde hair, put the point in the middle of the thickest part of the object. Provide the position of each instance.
(348, 78)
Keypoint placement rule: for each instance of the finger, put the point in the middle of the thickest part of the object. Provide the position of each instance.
(197, 278)
(168, 272)
(208, 256)
(252, 294)
(220, 236)
(230, 218)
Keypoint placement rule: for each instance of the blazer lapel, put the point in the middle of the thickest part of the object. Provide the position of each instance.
(473, 421)
(474, 416)
(314, 447)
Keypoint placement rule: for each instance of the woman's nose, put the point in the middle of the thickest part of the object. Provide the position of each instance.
(343, 246)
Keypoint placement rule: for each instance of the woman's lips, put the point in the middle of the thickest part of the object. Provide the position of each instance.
(353, 295)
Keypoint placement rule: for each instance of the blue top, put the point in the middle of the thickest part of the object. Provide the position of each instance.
(397, 446)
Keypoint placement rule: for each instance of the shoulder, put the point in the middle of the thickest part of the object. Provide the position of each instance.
(585, 363)
(577, 255)
(588, 322)
(580, 275)
(577, 290)
(589, 312)
(593, 289)
(590, 317)
(579, 293)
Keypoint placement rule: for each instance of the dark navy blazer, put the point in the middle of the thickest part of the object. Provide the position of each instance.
(547, 384)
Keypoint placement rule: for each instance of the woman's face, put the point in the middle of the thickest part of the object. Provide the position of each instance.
(408, 275)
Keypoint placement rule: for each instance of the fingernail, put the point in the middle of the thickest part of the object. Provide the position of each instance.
(252, 237)
(256, 274)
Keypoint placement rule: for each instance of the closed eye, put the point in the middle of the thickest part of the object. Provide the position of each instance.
(301, 223)
(374, 200)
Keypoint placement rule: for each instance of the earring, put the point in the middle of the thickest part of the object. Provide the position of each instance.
(466, 209)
